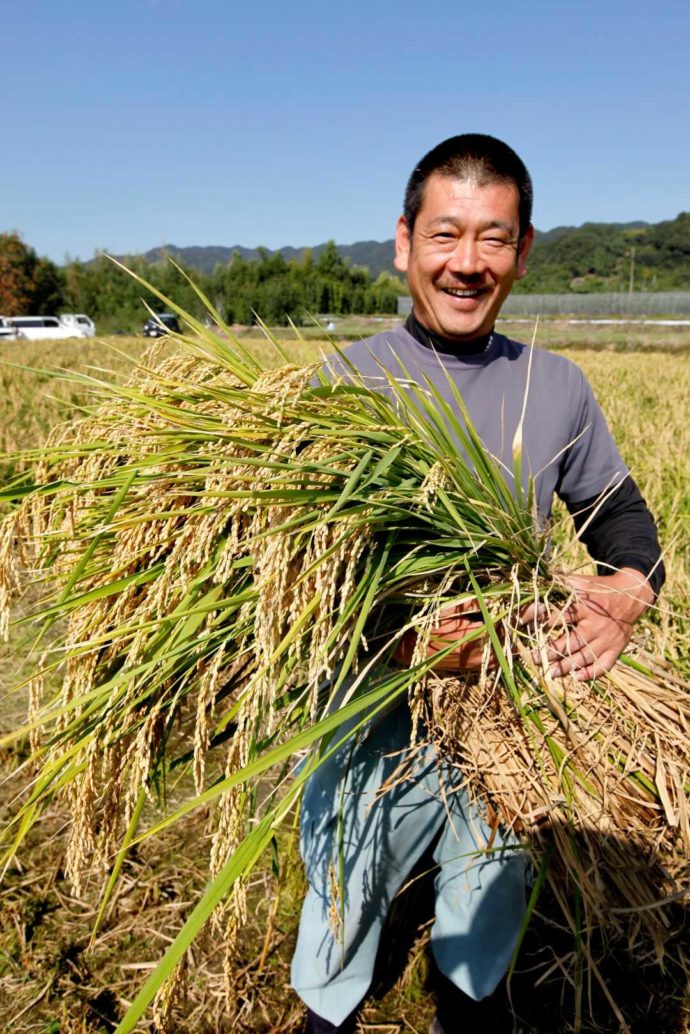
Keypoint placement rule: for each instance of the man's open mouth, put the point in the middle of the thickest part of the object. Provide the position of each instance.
(464, 292)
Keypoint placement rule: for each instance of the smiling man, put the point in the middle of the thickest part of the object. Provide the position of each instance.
(463, 240)
(462, 252)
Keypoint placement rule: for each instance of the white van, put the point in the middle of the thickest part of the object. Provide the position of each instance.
(77, 319)
(7, 331)
(42, 328)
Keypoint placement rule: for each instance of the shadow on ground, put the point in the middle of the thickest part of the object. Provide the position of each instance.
(551, 990)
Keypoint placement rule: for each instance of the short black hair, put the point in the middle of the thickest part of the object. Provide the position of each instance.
(471, 156)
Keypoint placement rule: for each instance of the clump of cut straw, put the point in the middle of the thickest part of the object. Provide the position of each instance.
(223, 546)
(594, 775)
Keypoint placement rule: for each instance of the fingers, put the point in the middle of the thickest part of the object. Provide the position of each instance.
(468, 657)
(456, 622)
(456, 628)
(573, 642)
(468, 649)
(580, 639)
(569, 654)
(584, 651)
(467, 611)
(467, 639)
(404, 651)
(548, 618)
(580, 667)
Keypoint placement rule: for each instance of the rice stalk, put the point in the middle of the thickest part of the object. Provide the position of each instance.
(221, 547)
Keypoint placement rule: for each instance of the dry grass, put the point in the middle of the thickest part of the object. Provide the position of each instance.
(33, 400)
(618, 337)
(53, 980)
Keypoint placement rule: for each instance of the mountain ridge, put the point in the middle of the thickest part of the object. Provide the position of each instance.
(377, 256)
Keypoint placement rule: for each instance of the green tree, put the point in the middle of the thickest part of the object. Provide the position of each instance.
(29, 285)
(331, 264)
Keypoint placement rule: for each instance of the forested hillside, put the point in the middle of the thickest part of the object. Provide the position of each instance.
(610, 256)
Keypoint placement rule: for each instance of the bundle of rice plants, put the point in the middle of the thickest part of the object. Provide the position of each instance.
(217, 551)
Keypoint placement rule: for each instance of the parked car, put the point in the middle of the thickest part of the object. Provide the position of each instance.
(7, 331)
(41, 328)
(161, 323)
(81, 322)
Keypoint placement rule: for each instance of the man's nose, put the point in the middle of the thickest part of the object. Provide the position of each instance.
(466, 258)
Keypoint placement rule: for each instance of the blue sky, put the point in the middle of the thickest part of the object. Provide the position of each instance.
(132, 124)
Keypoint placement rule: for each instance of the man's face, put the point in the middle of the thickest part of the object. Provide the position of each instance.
(463, 256)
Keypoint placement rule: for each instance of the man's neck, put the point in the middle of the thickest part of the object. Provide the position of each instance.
(448, 346)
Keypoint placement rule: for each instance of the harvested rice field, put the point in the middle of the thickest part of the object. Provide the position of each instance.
(59, 977)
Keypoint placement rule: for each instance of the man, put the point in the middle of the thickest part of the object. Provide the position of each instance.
(463, 240)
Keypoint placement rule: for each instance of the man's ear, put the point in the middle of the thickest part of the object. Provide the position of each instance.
(523, 252)
(402, 245)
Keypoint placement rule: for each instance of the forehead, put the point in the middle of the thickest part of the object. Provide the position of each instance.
(470, 201)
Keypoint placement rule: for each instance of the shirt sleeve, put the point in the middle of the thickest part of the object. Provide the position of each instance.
(592, 463)
(619, 531)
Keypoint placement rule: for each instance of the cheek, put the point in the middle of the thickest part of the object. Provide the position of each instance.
(425, 272)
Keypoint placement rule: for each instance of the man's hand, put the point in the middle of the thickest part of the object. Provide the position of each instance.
(597, 625)
(591, 632)
(455, 622)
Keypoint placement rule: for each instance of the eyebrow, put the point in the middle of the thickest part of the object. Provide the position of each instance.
(492, 224)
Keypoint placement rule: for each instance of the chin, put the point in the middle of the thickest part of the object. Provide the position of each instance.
(464, 332)
(465, 325)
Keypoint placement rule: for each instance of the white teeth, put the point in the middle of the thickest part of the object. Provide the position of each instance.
(461, 294)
